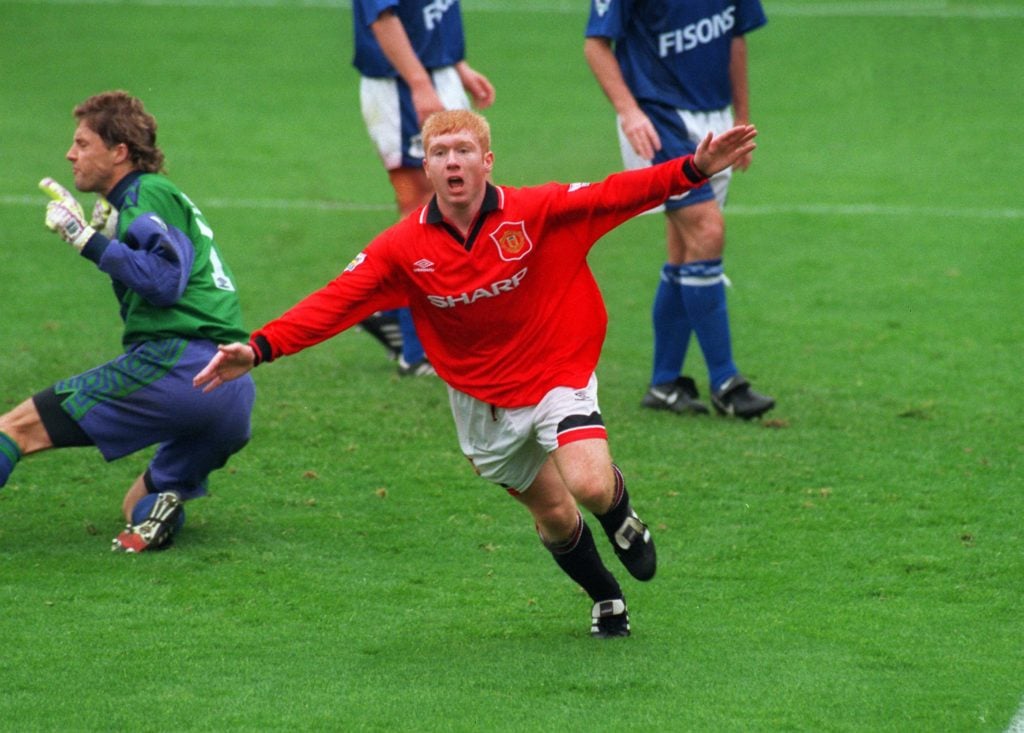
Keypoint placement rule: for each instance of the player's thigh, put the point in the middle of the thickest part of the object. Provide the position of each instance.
(499, 443)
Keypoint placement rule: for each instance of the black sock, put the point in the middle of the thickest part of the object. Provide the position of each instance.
(578, 558)
(612, 519)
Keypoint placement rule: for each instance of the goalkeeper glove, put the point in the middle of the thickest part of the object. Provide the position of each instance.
(104, 218)
(64, 215)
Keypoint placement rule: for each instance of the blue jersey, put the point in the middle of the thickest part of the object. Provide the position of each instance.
(676, 52)
(434, 28)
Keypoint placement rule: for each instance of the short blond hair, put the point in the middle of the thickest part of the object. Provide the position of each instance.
(449, 121)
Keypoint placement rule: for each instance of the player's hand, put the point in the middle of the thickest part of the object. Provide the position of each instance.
(230, 362)
(104, 218)
(717, 152)
(639, 130)
(64, 215)
(477, 86)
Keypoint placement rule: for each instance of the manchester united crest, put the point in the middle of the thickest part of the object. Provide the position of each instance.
(512, 240)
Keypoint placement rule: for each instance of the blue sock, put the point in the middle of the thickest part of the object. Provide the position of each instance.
(703, 286)
(10, 454)
(412, 349)
(671, 327)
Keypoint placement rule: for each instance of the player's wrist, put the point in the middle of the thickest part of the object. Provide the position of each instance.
(261, 349)
(692, 171)
(83, 238)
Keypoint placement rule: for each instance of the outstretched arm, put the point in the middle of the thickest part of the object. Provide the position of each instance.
(230, 362)
(717, 152)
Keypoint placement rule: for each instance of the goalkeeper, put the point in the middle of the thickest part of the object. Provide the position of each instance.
(177, 300)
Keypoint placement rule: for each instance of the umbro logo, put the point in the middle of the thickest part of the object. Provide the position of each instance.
(423, 265)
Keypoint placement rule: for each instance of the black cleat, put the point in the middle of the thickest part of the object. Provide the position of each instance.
(385, 329)
(609, 619)
(421, 368)
(737, 399)
(679, 396)
(635, 547)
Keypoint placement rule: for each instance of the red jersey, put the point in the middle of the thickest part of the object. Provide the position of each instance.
(509, 312)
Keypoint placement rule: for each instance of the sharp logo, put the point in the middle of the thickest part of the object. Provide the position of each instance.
(696, 34)
(434, 12)
(493, 290)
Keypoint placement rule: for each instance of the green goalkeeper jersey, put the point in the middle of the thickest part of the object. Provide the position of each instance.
(171, 283)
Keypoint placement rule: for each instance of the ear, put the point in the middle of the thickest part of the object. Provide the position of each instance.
(489, 161)
(121, 154)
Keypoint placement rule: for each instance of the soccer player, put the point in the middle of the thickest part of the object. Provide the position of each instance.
(177, 299)
(673, 72)
(412, 58)
(498, 283)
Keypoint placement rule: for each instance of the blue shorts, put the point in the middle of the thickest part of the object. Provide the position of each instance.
(680, 132)
(145, 397)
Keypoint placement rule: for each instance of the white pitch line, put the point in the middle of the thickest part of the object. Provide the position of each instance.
(862, 9)
(851, 210)
(1017, 724)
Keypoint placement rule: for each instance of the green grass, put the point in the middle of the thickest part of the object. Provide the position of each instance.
(852, 564)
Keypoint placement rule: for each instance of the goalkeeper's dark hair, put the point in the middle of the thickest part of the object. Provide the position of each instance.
(118, 117)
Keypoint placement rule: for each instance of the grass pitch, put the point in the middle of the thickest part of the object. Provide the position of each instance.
(852, 563)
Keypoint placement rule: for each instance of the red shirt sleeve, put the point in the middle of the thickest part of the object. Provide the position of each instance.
(367, 285)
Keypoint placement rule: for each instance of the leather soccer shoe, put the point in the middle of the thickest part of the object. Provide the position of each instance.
(634, 546)
(385, 329)
(736, 398)
(154, 532)
(609, 619)
(679, 396)
(419, 369)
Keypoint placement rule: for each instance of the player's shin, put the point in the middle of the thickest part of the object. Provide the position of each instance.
(628, 534)
(578, 558)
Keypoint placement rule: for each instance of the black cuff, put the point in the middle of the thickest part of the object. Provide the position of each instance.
(692, 172)
(95, 247)
(261, 349)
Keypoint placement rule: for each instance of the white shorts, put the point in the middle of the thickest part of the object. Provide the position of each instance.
(681, 139)
(391, 118)
(508, 446)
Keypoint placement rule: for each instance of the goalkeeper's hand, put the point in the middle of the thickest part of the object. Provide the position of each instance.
(104, 218)
(64, 215)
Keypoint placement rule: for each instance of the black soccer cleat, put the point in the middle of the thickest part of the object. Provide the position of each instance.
(385, 329)
(679, 396)
(634, 547)
(735, 398)
(422, 368)
(609, 619)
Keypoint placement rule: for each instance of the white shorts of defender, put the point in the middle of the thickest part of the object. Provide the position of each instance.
(384, 108)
